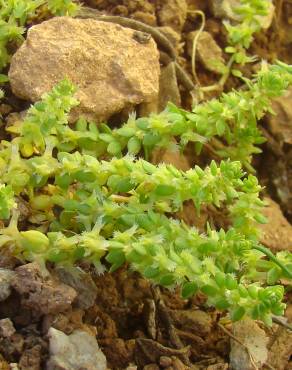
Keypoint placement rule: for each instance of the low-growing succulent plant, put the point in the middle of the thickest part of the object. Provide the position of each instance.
(92, 198)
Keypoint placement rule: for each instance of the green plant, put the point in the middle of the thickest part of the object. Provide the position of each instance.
(122, 209)
(7, 202)
(240, 34)
(228, 125)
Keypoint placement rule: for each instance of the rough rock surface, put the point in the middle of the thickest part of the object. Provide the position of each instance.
(31, 359)
(173, 13)
(168, 87)
(281, 349)
(111, 67)
(172, 36)
(208, 51)
(280, 124)
(277, 233)
(6, 328)
(82, 283)
(194, 321)
(74, 352)
(41, 293)
(254, 338)
(5, 283)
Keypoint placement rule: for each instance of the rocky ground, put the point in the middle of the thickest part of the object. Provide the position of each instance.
(76, 319)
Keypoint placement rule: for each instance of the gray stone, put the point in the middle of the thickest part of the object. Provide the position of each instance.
(254, 338)
(208, 51)
(81, 282)
(168, 87)
(40, 292)
(111, 68)
(76, 351)
(5, 283)
(195, 321)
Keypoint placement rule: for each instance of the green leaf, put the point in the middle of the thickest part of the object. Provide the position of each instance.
(253, 291)
(198, 147)
(134, 145)
(84, 209)
(164, 190)
(81, 125)
(278, 309)
(113, 181)
(3, 78)
(150, 272)
(34, 241)
(230, 49)
(105, 129)
(144, 222)
(237, 314)
(57, 256)
(209, 290)
(189, 289)
(128, 220)
(63, 180)
(142, 123)
(108, 138)
(273, 275)
(85, 176)
(243, 291)
(236, 73)
(222, 304)
(220, 279)
(220, 127)
(124, 185)
(167, 280)
(116, 258)
(151, 140)
(230, 282)
(261, 219)
(7, 201)
(71, 205)
(114, 148)
(126, 131)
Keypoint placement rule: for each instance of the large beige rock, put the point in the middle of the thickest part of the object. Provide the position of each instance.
(111, 67)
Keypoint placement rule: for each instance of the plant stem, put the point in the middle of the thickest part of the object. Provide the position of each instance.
(269, 254)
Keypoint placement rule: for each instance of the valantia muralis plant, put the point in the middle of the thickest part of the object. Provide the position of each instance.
(92, 196)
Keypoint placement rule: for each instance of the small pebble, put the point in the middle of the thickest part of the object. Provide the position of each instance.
(165, 361)
(6, 328)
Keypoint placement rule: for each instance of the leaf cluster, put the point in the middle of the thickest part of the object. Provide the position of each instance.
(240, 34)
(227, 124)
(121, 209)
